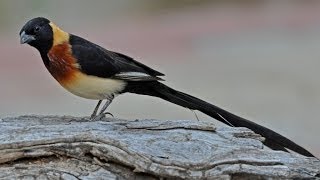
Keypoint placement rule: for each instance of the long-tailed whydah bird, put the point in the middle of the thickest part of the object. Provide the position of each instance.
(90, 71)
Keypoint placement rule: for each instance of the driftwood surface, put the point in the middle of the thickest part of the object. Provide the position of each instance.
(55, 147)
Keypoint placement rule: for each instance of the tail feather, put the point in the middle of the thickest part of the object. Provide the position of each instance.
(273, 140)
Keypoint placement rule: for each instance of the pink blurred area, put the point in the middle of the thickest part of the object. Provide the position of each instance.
(258, 59)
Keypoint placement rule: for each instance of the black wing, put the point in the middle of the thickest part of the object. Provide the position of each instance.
(97, 61)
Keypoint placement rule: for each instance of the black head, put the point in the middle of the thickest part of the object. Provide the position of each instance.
(37, 33)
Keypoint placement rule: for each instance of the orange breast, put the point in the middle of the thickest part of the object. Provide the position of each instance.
(63, 65)
(64, 68)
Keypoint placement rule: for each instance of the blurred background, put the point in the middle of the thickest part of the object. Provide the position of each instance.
(258, 59)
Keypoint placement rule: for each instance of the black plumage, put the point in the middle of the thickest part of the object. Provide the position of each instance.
(97, 61)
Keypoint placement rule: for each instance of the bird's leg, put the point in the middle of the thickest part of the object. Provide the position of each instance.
(94, 113)
(105, 106)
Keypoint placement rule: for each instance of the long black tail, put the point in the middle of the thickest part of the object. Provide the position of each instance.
(272, 139)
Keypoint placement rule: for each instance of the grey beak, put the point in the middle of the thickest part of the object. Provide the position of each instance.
(25, 38)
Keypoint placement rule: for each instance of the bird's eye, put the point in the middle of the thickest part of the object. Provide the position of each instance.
(36, 29)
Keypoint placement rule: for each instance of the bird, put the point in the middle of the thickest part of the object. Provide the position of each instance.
(90, 71)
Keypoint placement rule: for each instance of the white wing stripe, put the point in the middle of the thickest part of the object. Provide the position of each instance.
(135, 76)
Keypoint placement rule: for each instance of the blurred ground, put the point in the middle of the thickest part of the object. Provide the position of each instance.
(258, 59)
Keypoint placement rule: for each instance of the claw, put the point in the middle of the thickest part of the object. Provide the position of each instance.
(92, 116)
(109, 114)
(98, 117)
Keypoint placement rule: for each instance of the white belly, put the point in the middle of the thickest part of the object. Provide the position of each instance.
(92, 87)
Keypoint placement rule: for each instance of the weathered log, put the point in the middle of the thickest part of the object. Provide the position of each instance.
(53, 147)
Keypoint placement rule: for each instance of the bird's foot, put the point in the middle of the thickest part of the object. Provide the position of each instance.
(100, 116)
(93, 116)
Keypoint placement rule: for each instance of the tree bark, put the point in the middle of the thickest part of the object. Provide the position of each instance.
(55, 147)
